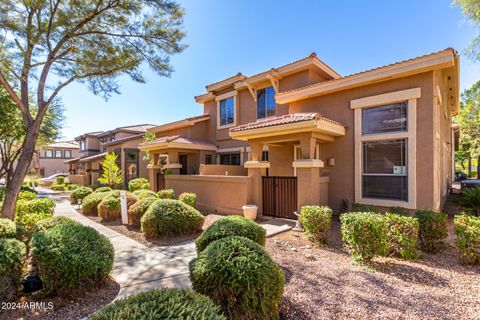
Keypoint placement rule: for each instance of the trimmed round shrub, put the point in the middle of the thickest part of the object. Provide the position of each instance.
(231, 226)
(79, 193)
(69, 255)
(138, 184)
(162, 304)
(110, 208)
(188, 198)
(28, 213)
(166, 194)
(26, 195)
(72, 186)
(91, 202)
(58, 187)
(52, 222)
(12, 257)
(433, 229)
(138, 209)
(365, 234)
(359, 207)
(144, 193)
(167, 217)
(8, 229)
(467, 230)
(103, 189)
(60, 180)
(402, 233)
(316, 221)
(239, 276)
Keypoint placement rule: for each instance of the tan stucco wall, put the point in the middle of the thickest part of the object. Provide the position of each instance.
(216, 169)
(281, 159)
(54, 165)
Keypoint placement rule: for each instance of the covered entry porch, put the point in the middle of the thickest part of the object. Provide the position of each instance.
(291, 176)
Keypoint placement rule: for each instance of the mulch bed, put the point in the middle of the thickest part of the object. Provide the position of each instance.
(323, 283)
(82, 305)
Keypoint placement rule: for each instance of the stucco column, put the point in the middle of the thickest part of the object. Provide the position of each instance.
(256, 149)
(173, 164)
(307, 145)
(255, 192)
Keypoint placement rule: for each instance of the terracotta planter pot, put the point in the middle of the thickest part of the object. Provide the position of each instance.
(250, 211)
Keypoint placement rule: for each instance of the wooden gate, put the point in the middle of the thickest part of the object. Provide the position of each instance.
(279, 196)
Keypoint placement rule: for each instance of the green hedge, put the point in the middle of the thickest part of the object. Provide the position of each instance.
(8, 228)
(12, 258)
(238, 274)
(402, 234)
(72, 186)
(316, 221)
(109, 209)
(91, 202)
(138, 184)
(143, 193)
(365, 234)
(138, 209)
(467, 230)
(79, 194)
(58, 187)
(70, 255)
(167, 217)
(28, 213)
(26, 195)
(358, 207)
(103, 189)
(166, 194)
(161, 304)
(433, 229)
(47, 224)
(231, 226)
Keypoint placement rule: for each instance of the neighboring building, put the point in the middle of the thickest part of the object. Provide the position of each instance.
(302, 134)
(51, 159)
(123, 141)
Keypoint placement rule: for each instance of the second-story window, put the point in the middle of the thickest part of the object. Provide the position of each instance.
(58, 153)
(227, 111)
(48, 153)
(82, 145)
(67, 153)
(266, 105)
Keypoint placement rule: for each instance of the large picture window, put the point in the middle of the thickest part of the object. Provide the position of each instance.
(230, 159)
(385, 119)
(227, 111)
(266, 105)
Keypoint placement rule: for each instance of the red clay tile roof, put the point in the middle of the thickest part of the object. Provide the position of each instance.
(176, 139)
(286, 119)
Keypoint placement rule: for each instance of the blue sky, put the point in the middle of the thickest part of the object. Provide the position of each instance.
(226, 37)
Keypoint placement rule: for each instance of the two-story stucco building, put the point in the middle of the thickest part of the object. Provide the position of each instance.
(51, 158)
(303, 134)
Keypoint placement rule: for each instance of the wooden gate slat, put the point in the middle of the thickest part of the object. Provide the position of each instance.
(280, 196)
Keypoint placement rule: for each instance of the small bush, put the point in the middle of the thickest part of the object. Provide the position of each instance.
(72, 186)
(26, 195)
(47, 224)
(358, 207)
(397, 210)
(162, 304)
(433, 229)
(238, 274)
(58, 187)
(8, 229)
(28, 213)
(365, 234)
(79, 194)
(103, 189)
(70, 255)
(110, 207)
(402, 235)
(143, 193)
(60, 180)
(91, 202)
(231, 226)
(317, 222)
(471, 200)
(138, 184)
(188, 198)
(166, 194)
(467, 230)
(12, 257)
(138, 209)
(28, 188)
(170, 217)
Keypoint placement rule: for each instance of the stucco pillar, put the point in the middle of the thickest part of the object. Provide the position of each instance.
(308, 180)
(256, 175)
(307, 145)
(256, 149)
(173, 164)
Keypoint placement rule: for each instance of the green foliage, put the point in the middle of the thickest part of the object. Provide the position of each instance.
(358, 207)
(317, 222)
(162, 304)
(231, 226)
(60, 180)
(112, 175)
(467, 230)
(12, 257)
(143, 193)
(188, 198)
(79, 194)
(72, 186)
(166, 194)
(26, 195)
(70, 255)
(109, 209)
(8, 229)
(471, 10)
(90, 202)
(365, 234)
(238, 274)
(58, 187)
(433, 229)
(138, 184)
(148, 137)
(167, 217)
(402, 233)
(49, 223)
(397, 210)
(138, 209)
(103, 189)
(28, 213)
(471, 200)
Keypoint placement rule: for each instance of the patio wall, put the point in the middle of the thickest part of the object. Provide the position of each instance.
(220, 170)
(80, 179)
(215, 194)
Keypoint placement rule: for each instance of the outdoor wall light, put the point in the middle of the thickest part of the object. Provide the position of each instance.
(331, 162)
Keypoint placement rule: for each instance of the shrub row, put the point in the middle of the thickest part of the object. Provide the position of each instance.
(138, 184)
(144, 193)
(12, 258)
(28, 213)
(109, 209)
(8, 229)
(467, 230)
(138, 209)
(79, 194)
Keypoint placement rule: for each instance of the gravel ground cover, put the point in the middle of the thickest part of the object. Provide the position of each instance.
(323, 283)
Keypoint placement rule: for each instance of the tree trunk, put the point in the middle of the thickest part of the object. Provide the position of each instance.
(469, 165)
(478, 166)
(15, 182)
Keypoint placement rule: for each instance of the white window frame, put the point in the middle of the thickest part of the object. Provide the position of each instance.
(411, 96)
(234, 95)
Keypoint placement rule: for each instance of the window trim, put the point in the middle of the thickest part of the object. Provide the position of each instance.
(411, 96)
(225, 96)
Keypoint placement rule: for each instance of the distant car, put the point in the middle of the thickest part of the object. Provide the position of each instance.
(52, 179)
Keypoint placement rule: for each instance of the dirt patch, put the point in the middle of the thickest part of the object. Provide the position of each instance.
(323, 283)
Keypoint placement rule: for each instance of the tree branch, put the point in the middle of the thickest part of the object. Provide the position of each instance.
(18, 102)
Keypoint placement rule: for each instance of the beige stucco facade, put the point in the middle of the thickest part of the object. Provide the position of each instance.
(51, 158)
